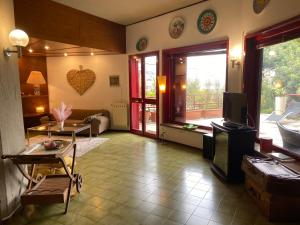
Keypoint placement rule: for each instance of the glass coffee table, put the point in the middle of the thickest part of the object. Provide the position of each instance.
(54, 128)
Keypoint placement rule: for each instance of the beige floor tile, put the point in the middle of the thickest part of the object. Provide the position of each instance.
(179, 216)
(132, 180)
(195, 220)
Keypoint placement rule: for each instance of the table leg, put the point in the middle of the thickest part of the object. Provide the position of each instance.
(73, 137)
(28, 137)
(31, 174)
(71, 181)
(90, 132)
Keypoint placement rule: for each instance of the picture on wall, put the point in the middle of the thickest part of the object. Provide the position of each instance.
(114, 80)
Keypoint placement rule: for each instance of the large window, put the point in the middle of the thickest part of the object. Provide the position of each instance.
(271, 81)
(196, 80)
(280, 91)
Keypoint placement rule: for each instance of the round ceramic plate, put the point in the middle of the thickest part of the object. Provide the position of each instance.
(176, 27)
(207, 21)
(58, 144)
(142, 44)
(259, 5)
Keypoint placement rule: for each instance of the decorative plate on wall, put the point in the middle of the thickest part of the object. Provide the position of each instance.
(142, 44)
(259, 5)
(207, 21)
(176, 27)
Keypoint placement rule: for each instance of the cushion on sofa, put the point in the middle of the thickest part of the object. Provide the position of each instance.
(89, 119)
(81, 114)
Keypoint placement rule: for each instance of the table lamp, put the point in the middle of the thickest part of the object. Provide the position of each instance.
(36, 78)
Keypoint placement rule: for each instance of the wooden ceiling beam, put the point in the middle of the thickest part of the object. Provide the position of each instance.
(48, 20)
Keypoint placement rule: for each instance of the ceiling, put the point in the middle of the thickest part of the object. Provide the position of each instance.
(37, 47)
(127, 11)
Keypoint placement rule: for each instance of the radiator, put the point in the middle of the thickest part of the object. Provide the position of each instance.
(119, 117)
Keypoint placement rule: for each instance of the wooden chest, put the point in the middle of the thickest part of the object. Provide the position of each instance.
(275, 188)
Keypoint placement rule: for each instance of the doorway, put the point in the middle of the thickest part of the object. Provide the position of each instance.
(143, 88)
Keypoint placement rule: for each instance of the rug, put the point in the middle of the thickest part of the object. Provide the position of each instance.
(84, 144)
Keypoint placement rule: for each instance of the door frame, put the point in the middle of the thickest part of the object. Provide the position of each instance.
(144, 100)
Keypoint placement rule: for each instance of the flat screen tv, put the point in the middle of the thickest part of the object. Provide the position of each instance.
(235, 108)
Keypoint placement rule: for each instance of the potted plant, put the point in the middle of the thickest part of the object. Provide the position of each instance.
(280, 99)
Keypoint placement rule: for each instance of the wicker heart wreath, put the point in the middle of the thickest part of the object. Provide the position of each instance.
(81, 80)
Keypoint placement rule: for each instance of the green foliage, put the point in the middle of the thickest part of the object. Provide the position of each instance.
(280, 62)
(209, 97)
(279, 91)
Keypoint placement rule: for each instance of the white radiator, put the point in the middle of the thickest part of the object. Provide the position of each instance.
(119, 116)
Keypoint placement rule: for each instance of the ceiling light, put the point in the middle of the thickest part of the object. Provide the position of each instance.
(92, 53)
(46, 47)
(65, 54)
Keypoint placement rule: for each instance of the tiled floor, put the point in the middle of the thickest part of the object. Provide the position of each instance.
(131, 180)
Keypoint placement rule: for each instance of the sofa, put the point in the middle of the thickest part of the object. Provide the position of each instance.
(99, 119)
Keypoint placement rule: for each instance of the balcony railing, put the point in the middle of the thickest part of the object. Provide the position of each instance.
(204, 101)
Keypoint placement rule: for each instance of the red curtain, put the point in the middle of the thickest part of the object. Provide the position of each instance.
(134, 93)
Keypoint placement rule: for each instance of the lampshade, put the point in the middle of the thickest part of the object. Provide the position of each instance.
(36, 78)
(18, 37)
(162, 80)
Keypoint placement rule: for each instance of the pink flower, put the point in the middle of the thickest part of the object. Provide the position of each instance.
(62, 112)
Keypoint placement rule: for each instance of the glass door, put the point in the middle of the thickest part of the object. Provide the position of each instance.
(144, 94)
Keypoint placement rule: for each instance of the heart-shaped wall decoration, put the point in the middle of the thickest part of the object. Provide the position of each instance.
(81, 80)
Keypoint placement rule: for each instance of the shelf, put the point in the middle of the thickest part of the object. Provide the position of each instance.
(176, 126)
(29, 115)
(34, 96)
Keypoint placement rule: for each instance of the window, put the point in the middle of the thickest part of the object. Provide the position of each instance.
(280, 91)
(196, 83)
(271, 81)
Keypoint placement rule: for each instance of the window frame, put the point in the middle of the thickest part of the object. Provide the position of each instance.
(168, 70)
(143, 98)
(252, 74)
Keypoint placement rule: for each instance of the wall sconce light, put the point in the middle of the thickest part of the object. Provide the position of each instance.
(162, 80)
(36, 78)
(235, 57)
(19, 39)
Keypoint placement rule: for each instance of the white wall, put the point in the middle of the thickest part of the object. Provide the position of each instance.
(156, 30)
(100, 95)
(12, 139)
(235, 19)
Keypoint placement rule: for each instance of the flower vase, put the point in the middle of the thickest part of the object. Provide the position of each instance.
(61, 125)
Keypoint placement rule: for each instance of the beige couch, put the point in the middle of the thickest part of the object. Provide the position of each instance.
(99, 119)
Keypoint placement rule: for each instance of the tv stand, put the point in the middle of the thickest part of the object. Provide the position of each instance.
(231, 143)
(231, 125)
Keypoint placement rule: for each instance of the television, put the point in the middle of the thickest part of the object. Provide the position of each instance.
(235, 108)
